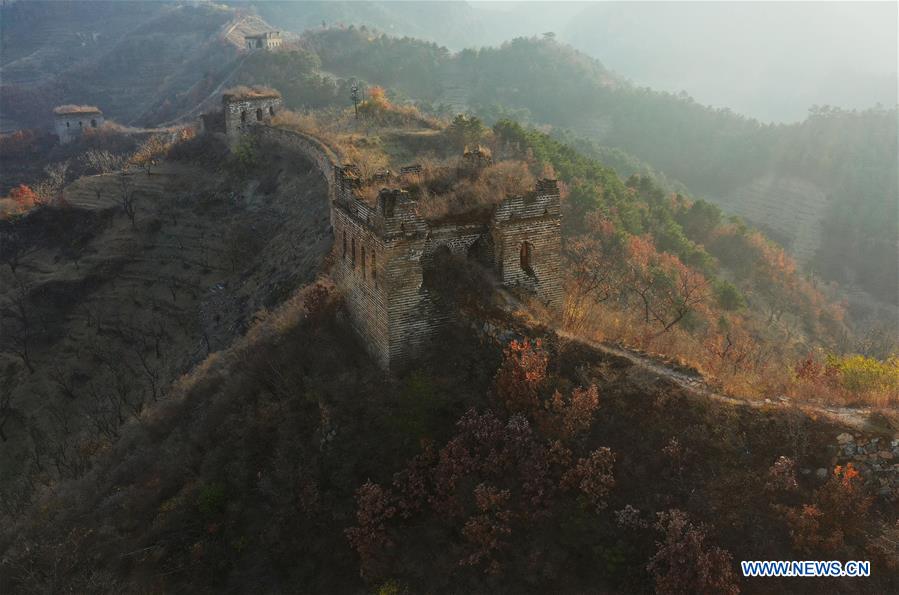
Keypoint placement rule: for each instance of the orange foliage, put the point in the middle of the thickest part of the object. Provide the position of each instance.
(19, 141)
(24, 197)
(839, 509)
(521, 376)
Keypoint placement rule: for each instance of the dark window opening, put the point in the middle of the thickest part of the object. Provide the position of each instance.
(68, 125)
(271, 110)
(525, 256)
(243, 116)
(259, 115)
(93, 123)
(80, 124)
(436, 269)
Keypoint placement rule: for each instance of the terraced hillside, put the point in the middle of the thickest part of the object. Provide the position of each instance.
(108, 313)
(790, 209)
(141, 69)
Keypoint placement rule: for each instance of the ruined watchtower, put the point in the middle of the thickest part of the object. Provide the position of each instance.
(70, 121)
(263, 41)
(245, 107)
(384, 254)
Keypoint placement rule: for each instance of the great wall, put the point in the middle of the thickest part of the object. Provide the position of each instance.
(383, 253)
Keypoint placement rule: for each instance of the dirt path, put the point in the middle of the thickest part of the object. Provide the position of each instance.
(857, 418)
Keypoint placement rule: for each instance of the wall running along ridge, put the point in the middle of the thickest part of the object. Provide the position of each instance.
(381, 252)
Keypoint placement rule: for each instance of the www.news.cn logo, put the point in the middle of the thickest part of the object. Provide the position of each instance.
(799, 568)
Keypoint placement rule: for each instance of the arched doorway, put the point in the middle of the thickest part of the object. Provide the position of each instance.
(526, 257)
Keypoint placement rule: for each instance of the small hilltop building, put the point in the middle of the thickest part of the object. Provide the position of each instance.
(70, 121)
(263, 41)
(245, 107)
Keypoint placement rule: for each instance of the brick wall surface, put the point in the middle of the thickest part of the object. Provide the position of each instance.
(243, 114)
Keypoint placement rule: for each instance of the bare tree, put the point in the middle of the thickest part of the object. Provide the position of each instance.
(150, 152)
(18, 334)
(7, 411)
(105, 413)
(13, 248)
(49, 188)
(102, 161)
(63, 381)
(127, 196)
(152, 372)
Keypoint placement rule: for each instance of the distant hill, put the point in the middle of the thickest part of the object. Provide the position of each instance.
(139, 62)
(848, 157)
(154, 64)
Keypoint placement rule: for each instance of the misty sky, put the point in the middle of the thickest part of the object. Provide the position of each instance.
(770, 60)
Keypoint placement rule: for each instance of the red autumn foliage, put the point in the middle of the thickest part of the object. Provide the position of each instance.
(569, 417)
(521, 376)
(838, 510)
(782, 476)
(24, 197)
(374, 508)
(487, 531)
(592, 476)
(493, 479)
(685, 563)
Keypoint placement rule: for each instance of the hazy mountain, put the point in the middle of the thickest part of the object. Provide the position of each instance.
(771, 61)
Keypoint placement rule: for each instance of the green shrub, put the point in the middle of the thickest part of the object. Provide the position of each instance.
(212, 500)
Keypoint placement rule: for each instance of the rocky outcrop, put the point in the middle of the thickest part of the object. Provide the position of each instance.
(877, 459)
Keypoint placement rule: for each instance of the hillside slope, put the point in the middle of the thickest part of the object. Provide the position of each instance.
(245, 476)
(148, 65)
(100, 315)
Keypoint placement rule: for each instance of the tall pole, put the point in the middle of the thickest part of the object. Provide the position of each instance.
(355, 89)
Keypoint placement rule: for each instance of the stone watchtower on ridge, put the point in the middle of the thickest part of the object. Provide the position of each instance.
(245, 107)
(263, 41)
(70, 121)
(385, 253)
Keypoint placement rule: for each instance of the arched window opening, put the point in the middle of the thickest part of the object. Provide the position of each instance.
(68, 124)
(353, 246)
(363, 261)
(80, 124)
(271, 110)
(93, 123)
(526, 257)
(259, 115)
(243, 116)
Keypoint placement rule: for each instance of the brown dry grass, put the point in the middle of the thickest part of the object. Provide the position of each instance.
(764, 374)
(443, 193)
(244, 92)
(71, 108)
